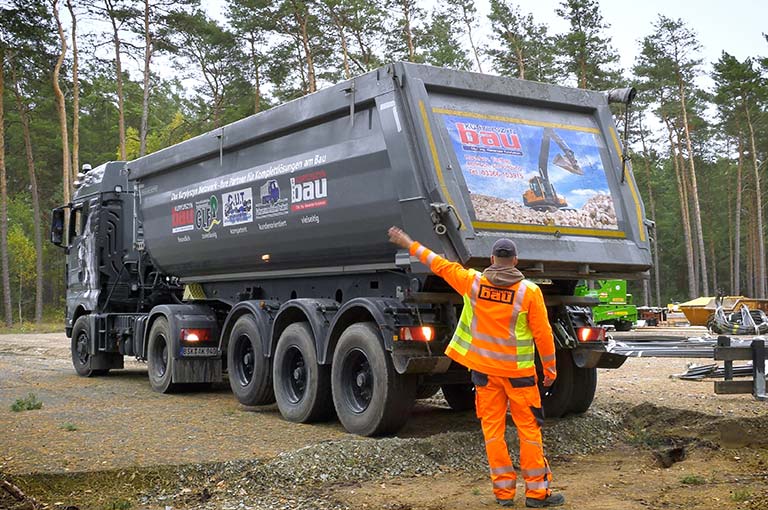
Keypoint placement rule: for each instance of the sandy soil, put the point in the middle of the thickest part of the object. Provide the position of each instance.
(121, 427)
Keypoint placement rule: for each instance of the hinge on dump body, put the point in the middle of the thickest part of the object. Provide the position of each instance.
(440, 212)
(395, 76)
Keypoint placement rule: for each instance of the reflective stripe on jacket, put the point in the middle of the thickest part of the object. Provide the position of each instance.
(499, 326)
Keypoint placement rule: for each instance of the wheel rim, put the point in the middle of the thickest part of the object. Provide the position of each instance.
(81, 349)
(357, 380)
(160, 355)
(295, 368)
(245, 360)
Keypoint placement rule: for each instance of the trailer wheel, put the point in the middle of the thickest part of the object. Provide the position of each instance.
(556, 400)
(370, 397)
(160, 357)
(461, 397)
(250, 373)
(584, 386)
(302, 387)
(79, 348)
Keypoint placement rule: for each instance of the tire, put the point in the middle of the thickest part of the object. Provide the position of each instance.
(556, 400)
(250, 372)
(79, 349)
(461, 397)
(160, 357)
(623, 326)
(302, 387)
(584, 386)
(370, 398)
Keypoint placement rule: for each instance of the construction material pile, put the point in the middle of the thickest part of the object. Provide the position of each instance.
(597, 213)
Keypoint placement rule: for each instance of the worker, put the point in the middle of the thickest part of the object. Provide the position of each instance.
(504, 316)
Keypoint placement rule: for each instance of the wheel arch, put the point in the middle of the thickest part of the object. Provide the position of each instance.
(362, 310)
(259, 311)
(319, 313)
(177, 316)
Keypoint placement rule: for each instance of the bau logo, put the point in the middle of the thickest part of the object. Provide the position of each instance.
(207, 214)
(480, 138)
(496, 294)
(309, 191)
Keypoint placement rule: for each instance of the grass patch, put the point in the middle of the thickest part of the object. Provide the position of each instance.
(741, 495)
(69, 427)
(693, 480)
(118, 504)
(29, 403)
(475, 491)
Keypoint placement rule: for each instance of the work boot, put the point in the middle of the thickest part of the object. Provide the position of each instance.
(505, 502)
(551, 500)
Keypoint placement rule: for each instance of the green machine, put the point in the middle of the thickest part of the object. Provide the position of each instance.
(615, 305)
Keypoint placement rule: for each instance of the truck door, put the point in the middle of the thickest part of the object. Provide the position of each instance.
(82, 268)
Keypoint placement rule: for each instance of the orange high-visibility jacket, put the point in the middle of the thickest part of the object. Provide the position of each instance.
(498, 325)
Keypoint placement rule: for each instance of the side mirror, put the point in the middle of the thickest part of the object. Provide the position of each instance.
(57, 226)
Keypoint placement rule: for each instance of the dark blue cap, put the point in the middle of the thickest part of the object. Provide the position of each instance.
(504, 248)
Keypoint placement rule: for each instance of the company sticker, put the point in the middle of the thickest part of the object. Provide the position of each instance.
(238, 207)
(271, 202)
(207, 216)
(182, 218)
(309, 191)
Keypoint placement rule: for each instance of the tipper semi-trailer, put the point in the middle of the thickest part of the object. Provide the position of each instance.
(259, 249)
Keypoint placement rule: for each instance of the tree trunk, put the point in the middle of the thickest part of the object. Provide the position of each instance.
(713, 265)
(61, 107)
(520, 62)
(760, 253)
(750, 266)
(119, 78)
(694, 192)
(257, 77)
(344, 51)
(683, 212)
(407, 30)
(143, 130)
(656, 272)
(24, 119)
(471, 41)
(687, 216)
(737, 223)
(302, 22)
(75, 96)
(6, 277)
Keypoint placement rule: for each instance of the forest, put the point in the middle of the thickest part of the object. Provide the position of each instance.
(89, 81)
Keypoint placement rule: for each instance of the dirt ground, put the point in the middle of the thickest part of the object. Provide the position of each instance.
(111, 443)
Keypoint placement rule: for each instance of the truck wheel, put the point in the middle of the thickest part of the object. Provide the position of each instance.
(160, 357)
(461, 397)
(79, 347)
(556, 400)
(584, 386)
(370, 397)
(623, 326)
(250, 373)
(302, 387)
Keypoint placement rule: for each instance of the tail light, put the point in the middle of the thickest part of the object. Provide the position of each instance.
(417, 333)
(589, 334)
(194, 335)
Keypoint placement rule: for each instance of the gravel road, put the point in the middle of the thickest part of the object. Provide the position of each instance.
(112, 443)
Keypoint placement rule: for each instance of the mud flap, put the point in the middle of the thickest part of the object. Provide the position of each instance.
(186, 370)
(597, 357)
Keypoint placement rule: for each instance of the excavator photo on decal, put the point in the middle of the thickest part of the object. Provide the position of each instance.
(541, 196)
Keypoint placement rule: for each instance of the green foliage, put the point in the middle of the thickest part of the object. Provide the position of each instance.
(439, 43)
(740, 495)
(525, 48)
(693, 480)
(69, 427)
(587, 53)
(28, 403)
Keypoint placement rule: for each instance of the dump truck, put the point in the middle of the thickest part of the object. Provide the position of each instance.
(615, 308)
(258, 253)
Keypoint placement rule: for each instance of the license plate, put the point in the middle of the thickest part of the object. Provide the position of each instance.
(199, 351)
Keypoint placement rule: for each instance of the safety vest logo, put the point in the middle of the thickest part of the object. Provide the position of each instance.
(496, 295)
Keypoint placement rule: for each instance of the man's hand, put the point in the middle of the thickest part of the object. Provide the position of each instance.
(548, 381)
(400, 238)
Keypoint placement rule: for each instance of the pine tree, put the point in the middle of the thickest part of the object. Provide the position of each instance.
(586, 52)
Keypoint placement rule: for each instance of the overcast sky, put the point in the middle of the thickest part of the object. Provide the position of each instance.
(735, 26)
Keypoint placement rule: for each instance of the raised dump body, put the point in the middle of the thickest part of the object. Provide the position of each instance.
(314, 183)
(260, 248)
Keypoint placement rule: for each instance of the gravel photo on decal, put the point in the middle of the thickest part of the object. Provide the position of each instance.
(596, 213)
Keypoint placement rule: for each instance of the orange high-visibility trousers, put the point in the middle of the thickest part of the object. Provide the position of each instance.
(493, 396)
